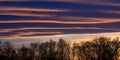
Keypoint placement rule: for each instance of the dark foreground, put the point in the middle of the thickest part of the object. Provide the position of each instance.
(99, 49)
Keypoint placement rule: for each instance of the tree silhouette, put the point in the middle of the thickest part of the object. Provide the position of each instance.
(63, 50)
(48, 50)
(102, 48)
(7, 51)
(106, 49)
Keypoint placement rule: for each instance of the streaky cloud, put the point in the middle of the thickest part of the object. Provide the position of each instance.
(33, 18)
(98, 2)
(9, 8)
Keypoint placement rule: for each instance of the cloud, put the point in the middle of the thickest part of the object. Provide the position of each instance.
(52, 28)
(63, 16)
(59, 22)
(26, 34)
(108, 11)
(39, 18)
(9, 8)
(22, 11)
(41, 31)
(24, 14)
(98, 2)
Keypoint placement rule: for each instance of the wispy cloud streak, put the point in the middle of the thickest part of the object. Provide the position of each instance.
(30, 18)
(4, 8)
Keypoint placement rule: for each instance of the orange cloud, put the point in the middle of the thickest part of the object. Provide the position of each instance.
(90, 19)
(29, 34)
(60, 19)
(96, 21)
(53, 28)
(25, 14)
(9, 8)
(27, 11)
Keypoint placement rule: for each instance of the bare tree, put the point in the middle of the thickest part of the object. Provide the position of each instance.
(63, 50)
(107, 48)
(48, 50)
(101, 49)
(8, 50)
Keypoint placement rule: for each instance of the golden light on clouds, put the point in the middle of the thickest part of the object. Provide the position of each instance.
(9, 8)
(53, 28)
(25, 14)
(25, 18)
(96, 21)
(29, 34)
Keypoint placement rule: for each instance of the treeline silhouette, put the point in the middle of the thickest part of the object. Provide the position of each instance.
(102, 48)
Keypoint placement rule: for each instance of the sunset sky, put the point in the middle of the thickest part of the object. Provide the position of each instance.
(50, 19)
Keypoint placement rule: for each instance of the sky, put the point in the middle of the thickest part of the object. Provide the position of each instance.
(64, 18)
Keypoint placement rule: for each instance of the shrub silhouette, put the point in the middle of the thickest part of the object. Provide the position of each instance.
(102, 48)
